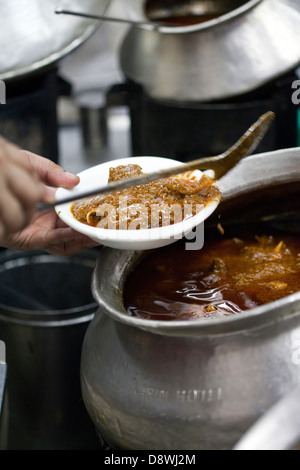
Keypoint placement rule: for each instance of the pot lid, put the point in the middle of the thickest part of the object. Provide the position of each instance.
(226, 57)
(32, 36)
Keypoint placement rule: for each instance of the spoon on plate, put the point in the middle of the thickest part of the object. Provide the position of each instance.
(220, 164)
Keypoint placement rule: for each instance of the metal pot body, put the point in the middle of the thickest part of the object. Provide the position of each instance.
(223, 58)
(193, 385)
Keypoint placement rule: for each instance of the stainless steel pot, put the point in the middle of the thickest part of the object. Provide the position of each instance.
(193, 385)
(45, 308)
(32, 37)
(234, 54)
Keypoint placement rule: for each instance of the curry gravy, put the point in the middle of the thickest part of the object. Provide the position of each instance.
(229, 275)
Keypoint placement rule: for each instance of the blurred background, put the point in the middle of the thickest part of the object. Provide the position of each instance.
(56, 103)
(82, 92)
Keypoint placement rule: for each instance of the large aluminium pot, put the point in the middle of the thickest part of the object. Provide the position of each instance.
(244, 49)
(33, 37)
(186, 385)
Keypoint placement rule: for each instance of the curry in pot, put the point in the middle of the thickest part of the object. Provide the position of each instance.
(231, 274)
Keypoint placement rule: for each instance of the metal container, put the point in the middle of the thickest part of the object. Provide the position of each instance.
(194, 385)
(278, 429)
(38, 37)
(46, 305)
(234, 54)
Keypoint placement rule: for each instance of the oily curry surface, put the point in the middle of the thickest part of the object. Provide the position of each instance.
(160, 203)
(229, 275)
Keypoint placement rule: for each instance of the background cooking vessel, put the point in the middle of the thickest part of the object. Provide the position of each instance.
(232, 55)
(45, 307)
(193, 385)
(32, 37)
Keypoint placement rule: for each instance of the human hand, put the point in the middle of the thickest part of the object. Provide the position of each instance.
(46, 231)
(20, 189)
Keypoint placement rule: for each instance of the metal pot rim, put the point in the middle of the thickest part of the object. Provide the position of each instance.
(47, 317)
(231, 15)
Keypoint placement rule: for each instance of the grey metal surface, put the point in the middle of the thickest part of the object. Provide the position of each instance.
(223, 10)
(219, 59)
(192, 385)
(32, 36)
(278, 429)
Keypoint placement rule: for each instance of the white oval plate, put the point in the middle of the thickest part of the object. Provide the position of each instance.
(143, 239)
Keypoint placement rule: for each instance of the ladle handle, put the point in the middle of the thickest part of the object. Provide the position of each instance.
(150, 25)
(220, 164)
